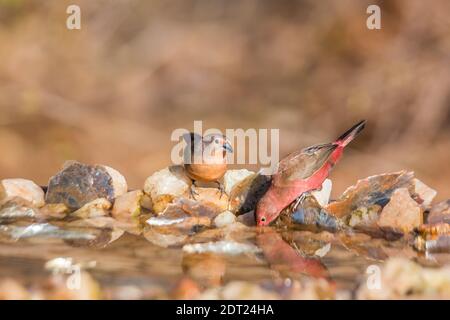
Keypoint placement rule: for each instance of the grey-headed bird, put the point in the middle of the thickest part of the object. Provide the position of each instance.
(205, 158)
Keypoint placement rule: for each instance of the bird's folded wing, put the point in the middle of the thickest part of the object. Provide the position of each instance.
(193, 146)
(303, 164)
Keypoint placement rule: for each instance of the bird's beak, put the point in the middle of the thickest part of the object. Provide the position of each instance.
(227, 147)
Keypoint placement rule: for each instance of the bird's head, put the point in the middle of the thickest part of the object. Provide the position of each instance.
(211, 148)
(217, 144)
(266, 211)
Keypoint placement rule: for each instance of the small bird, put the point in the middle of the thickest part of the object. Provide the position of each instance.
(205, 158)
(300, 172)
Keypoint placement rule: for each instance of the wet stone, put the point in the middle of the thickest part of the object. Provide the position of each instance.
(225, 247)
(196, 208)
(401, 213)
(212, 198)
(16, 212)
(224, 219)
(179, 220)
(245, 194)
(127, 209)
(439, 213)
(308, 214)
(78, 184)
(423, 194)
(146, 202)
(96, 208)
(166, 185)
(430, 231)
(190, 224)
(374, 190)
(165, 237)
(309, 243)
(365, 217)
(433, 238)
(90, 233)
(434, 244)
(54, 210)
(233, 177)
(21, 191)
(210, 249)
(45, 230)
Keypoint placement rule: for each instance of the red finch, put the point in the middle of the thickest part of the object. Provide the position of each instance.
(301, 171)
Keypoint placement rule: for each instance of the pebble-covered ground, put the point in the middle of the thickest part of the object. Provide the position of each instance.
(86, 235)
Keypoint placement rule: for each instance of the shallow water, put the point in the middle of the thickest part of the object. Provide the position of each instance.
(150, 271)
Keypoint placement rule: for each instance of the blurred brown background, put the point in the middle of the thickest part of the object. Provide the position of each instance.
(113, 91)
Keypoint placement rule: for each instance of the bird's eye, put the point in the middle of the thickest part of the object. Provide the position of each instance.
(263, 219)
(216, 141)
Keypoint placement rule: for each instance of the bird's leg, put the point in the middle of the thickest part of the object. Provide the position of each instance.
(301, 199)
(192, 191)
(221, 188)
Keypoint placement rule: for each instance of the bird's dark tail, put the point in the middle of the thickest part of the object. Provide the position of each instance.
(350, 134)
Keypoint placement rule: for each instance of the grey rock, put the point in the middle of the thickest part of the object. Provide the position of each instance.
(78, 184)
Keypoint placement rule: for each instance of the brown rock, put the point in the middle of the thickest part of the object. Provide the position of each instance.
(423, 193)
(212, 198)
(374, 190)
(245, 194)
(78, 184)
(127, 209)
(197, 208)
(430, 231)
(96, 208)
(439, 213)
(146, 202)
(181, 221)
(119, 183)
(55, 210)
(401, 213)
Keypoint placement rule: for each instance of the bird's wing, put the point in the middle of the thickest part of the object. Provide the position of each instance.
(193, 146)
(303, 163)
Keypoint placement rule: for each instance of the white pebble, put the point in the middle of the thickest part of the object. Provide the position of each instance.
(323, 196)
(224, 219)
